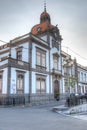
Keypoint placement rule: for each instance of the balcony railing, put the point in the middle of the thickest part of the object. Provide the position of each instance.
(12, 100)
(17, 63)
(56, 71)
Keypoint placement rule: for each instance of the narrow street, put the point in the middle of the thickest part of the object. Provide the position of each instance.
(38, 117)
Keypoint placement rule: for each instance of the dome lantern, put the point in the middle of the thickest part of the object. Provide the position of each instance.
(45, 17)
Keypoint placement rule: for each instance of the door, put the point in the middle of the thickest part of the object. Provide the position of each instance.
(56, 89)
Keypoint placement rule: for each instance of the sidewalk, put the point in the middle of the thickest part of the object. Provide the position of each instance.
(79, 111)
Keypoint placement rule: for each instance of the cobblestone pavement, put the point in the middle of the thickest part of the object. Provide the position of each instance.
(37, 118)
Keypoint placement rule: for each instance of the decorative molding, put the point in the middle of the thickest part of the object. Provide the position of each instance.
(4, 51)
(55, 44)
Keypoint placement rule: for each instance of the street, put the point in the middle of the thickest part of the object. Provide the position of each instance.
(37, 118)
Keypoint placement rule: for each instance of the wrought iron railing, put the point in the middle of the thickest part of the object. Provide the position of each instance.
(12, 100)
(56, 71)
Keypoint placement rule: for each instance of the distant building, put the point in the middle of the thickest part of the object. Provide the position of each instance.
(69, 74)
(82, 79)
(74, 75)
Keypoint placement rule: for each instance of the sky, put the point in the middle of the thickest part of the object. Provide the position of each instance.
(17, 17)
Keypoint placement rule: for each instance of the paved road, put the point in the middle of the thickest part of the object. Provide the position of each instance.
(37, 118)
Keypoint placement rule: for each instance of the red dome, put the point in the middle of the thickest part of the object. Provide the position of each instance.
(40, 28)
(45, 24)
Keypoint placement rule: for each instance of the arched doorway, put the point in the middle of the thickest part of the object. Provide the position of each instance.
(56, 90)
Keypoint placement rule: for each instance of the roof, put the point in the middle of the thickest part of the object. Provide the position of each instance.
(40, 28)
(44, 25)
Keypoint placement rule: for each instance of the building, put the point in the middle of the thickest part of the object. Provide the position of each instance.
(69, 74)
(33, 68)
(30, 65)
(74, 75)
(82, 79)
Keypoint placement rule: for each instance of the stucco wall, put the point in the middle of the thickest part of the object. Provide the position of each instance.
(14, 82)
(25, 51)
(4, 88)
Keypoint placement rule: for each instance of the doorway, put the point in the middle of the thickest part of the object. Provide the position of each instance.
(56, 90)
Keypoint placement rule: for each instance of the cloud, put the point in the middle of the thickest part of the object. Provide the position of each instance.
(18, 16)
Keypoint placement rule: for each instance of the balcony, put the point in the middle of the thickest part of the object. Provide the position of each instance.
(56, 71)
(18, 64)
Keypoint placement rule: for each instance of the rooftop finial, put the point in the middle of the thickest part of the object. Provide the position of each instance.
(44, 5)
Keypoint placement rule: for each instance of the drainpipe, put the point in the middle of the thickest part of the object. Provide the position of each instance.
(30, 66)
(9, 71)
(48, 40)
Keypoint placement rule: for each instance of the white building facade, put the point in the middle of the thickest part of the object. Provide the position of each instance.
(33, 66)
(82, 79)
(30, 65)
(69, 74)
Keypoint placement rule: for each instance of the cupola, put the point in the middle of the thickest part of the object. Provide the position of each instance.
(45, 23)
(45, 17)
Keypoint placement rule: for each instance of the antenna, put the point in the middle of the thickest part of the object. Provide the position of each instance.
(44, 5)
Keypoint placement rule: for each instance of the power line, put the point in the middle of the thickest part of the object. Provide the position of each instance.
(3, 41)
(78, 54)
(62, 46)
(75, 52)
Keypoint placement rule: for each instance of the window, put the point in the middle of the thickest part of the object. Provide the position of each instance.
(55, 59)
(66, 84)
(73, 70)
(38, 58)
(79, 89)
(39, 29)
(41, 57)
(86, 89)
(43, 60)
(20, 82)
(1, 83)
(78, 75)
(65, 70)
(82, 89)
(85, 77)
(19, 53)
(40, 84)
(55, 44)
(81, 76)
